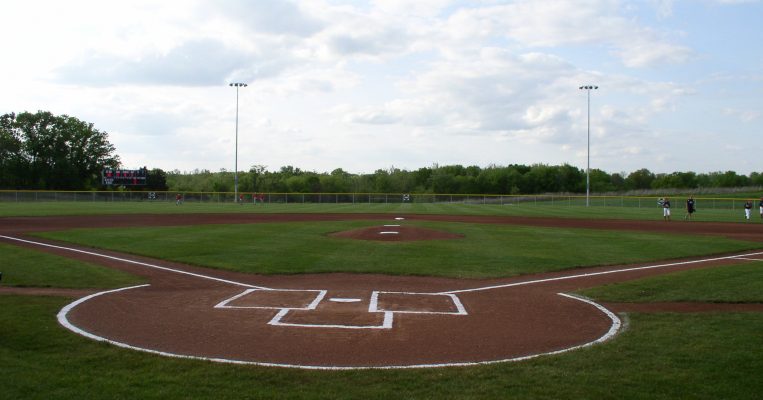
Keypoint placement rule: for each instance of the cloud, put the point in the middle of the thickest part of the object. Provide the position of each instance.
(486, 92)
(743, 115)
(638, 54)
(278, 17)
(555, 23)
(194, 63)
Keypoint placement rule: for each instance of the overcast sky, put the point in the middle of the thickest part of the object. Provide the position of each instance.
(370, 85)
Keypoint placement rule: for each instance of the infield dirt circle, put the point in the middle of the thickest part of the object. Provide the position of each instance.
(347, 320)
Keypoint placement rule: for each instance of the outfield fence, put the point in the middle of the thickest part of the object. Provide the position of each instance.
(363, 198)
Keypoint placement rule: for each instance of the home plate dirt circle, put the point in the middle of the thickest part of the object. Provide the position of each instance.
(338, 321)
(350, 322)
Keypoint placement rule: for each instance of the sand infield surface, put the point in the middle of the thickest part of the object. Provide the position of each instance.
(337, 321)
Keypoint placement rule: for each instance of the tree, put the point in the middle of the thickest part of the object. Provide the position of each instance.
(640, 179)
(44, 151)
(156, 180)
(12, 162)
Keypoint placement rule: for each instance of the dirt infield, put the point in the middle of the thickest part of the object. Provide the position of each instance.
(350, 320)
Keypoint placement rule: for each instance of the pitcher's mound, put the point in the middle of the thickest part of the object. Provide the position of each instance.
(396, 234)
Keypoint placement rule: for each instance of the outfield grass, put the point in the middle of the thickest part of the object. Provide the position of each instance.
(27, 268)
(661, 356)
(729, 284)
(487, 250)
(541, 209)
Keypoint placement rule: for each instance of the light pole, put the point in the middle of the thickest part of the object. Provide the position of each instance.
(588, 89)
(235, 169)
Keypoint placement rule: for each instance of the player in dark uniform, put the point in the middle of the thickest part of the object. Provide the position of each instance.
(747, 209)
(666, 209)
(761, 207)
(689, 207)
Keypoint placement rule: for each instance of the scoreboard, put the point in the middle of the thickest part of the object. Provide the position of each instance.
(124, 177)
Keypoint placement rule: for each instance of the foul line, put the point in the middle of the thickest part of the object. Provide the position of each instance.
(749, 259)
(561, 278)
(90, 253)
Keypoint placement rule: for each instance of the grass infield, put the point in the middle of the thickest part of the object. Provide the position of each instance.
(487, 250)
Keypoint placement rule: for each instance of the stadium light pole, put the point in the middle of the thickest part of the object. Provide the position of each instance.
(588, 89)
(235, 168)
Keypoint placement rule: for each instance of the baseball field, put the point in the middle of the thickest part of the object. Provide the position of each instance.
(372, 301)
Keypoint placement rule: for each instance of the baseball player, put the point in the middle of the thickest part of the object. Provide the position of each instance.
(689, 207)
(761, 207)
(747, 209)
(666, 209)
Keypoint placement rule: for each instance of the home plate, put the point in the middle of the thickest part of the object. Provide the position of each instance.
(399, 218)
(343, 300)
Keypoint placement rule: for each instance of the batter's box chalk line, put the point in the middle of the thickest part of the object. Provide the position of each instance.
(453, 307)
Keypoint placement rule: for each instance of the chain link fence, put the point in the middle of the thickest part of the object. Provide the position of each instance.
(363, 198)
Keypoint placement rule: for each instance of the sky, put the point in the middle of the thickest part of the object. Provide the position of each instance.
(368, 85)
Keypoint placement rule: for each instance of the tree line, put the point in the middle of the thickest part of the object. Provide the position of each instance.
(44, 151)
(454, 179)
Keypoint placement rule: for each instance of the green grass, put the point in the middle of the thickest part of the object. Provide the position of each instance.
(487, 250)
(728, 284)
(23, 267)
(649, 210)
(661, 356)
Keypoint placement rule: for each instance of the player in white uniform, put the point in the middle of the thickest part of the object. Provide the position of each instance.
(666, 209)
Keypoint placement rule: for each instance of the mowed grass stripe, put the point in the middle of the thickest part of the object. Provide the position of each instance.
(648, 211)
(23, 267)
(727, 284)
(487, 250)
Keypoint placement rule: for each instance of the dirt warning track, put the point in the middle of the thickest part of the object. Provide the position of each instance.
(340, 321)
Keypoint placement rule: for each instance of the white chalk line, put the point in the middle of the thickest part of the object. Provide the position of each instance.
(616, 271)
(749, 259)
(373, 305)
(311, 306)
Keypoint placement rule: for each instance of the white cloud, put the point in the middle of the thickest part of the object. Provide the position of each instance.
(743, 115)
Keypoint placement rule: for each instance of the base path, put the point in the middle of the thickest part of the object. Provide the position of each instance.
(344, 321)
